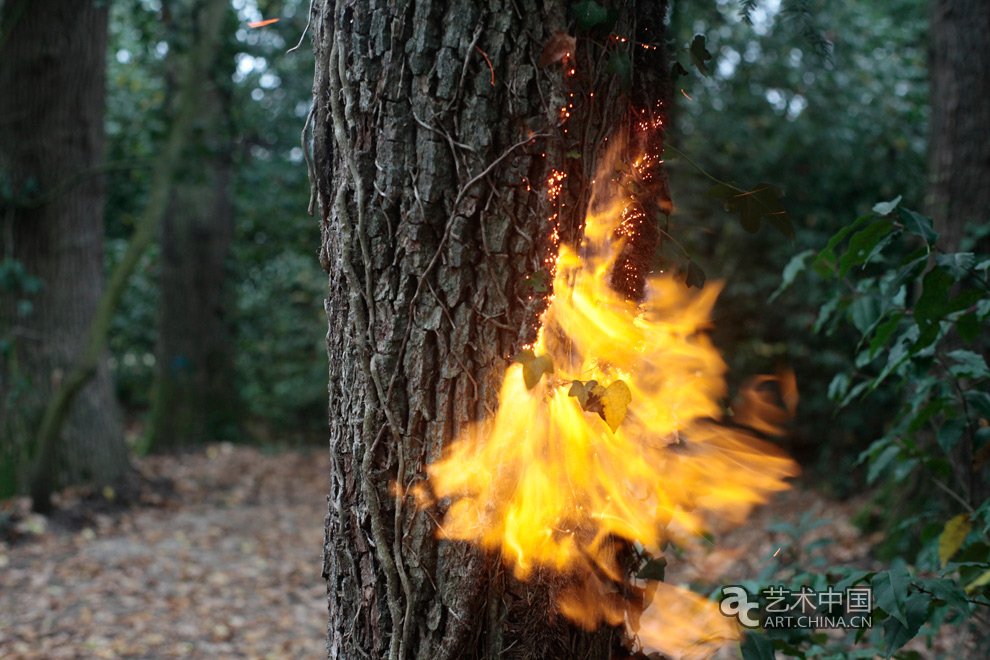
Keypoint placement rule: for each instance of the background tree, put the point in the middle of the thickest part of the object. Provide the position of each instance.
(435, 131)
(194, 398)
(52, 63)
(960, 139)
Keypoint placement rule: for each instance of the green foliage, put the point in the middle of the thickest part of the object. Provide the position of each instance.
(906, 301)
(276, 285)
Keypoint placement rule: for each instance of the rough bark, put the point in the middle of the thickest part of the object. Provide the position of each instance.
(960, 137)
(194, 397)
(434, 132)
(52, 63)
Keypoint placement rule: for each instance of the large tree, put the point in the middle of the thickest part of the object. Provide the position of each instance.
(52, 63)
(435, 130)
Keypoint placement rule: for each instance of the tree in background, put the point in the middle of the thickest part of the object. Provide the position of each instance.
(435, 132)
(52, 63)
(194, 398)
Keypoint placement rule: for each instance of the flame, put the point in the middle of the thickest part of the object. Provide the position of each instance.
(551, 485)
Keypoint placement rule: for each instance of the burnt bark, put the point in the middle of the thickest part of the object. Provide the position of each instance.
(51, 132)
(434, 134)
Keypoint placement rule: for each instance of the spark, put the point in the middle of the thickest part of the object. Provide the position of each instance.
(686, 95)
(258, 24)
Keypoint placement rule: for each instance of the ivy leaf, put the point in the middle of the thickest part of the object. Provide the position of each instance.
(700, 54)
(534, 367)
(952, 537)
(653, 569)
(620, 65)
(763, 201)
(609, 402)
(589, 14)
(694, 275)
(677, 70)
(615, 399)
(581, 390)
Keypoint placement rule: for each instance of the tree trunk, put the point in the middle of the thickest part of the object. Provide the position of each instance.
(52, 63)
(434, 134)
(960, 139)
(194, 398)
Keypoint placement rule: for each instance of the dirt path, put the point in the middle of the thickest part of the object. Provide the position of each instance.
(227, 567)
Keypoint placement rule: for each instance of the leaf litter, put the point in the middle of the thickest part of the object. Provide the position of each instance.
(225, 565)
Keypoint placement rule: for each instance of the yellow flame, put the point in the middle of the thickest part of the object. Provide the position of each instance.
(550, 484)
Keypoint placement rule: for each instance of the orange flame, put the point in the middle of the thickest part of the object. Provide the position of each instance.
(550, 484)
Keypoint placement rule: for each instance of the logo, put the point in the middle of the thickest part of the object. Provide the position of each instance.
(780, 607)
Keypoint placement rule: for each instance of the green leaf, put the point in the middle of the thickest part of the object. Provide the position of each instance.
(958, 263)
(826, 258)
(886, 208)
(898, 632)
(695, 276)
(968, 365)
(700, 54)
(919, 225)
(946, 589)
(573, 154)
(757, 646)
(881, 463)
(950, 433)
(884, 331)
(890, 591)
(838, 387)
(968, 327)
(620, 65)
(589, 14)
(952, 537)
(861, 244)
(794, 267)
(677, 70)
(653, 569)
(930, 307)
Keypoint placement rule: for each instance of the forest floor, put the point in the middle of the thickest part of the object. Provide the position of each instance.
(226, 562)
